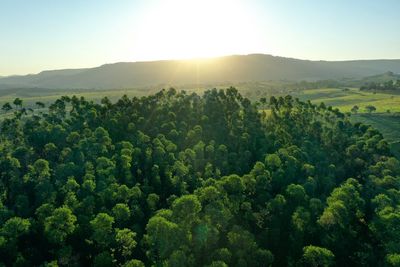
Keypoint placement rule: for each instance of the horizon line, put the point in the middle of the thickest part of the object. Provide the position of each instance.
(193, 59)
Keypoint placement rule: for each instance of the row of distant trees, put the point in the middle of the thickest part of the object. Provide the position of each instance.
(368, 108)
(386, 86)
(18, 104)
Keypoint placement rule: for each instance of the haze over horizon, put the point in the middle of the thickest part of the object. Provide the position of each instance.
(198, 60)
(45, 35)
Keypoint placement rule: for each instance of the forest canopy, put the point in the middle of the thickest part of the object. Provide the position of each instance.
(178, 179)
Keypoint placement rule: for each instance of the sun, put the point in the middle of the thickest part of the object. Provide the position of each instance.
(185, 29)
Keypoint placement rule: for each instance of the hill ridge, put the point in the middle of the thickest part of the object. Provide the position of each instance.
(234, 68)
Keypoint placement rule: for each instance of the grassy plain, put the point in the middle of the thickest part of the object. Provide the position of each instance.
(346, 99)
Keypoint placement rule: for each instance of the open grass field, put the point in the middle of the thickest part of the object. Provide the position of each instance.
(346, 99)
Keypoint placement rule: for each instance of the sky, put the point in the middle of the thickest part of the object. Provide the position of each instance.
(47, 34)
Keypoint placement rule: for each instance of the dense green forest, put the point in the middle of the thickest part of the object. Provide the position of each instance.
(178, 179)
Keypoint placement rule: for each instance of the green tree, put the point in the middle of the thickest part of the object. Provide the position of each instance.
(133, 263)
(18, 102)
(355, 109)
(121, 213)
(370, 108)
(14, 227)
(40, 105)
(59, 225)
(102, 229)
(126, 243)
(316, 256)
(163, 236)
(6, 107)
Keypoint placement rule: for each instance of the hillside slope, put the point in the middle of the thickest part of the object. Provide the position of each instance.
(255, 67)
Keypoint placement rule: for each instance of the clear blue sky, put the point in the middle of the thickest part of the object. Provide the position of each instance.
(49, 34)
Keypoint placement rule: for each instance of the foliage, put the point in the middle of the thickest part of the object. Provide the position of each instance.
(178, 179)
(390, 85)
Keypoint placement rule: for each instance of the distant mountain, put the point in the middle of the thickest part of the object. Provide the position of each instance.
(248, 68)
